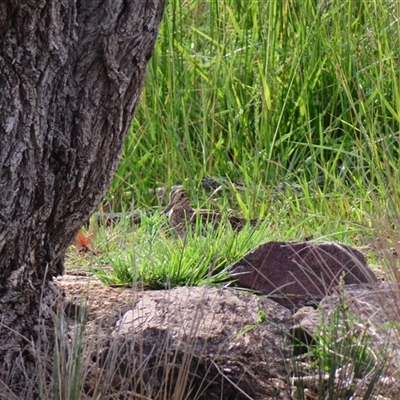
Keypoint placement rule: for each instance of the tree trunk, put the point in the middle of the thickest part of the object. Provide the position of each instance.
(71, 77)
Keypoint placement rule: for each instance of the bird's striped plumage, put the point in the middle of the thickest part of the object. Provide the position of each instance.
(182, 216)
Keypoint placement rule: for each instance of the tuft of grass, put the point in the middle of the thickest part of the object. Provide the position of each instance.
(160, 260)
(68, 361)
(340, 359)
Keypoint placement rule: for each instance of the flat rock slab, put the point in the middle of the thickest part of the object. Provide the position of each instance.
(295, 274)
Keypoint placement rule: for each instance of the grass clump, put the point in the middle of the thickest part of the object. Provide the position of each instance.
(160, 260)
(342, 358)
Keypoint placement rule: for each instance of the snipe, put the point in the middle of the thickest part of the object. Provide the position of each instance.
(182, 216)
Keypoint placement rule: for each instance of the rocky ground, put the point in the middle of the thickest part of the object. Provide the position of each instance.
(244, 349)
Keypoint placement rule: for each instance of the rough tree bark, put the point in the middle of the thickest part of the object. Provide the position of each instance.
(71, 74)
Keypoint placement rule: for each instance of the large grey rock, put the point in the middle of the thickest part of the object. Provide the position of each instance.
(202, 343)
(297, 273)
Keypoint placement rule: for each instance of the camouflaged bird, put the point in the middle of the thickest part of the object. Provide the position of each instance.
(182, 216)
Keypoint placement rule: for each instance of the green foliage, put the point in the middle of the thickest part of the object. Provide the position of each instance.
(151, 257)
(262, 93)
(267, 92)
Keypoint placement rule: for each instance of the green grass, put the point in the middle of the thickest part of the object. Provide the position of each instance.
(268, 91)
(273, 92)
(151, 256)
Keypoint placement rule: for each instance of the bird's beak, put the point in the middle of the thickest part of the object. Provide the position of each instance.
(167, 210)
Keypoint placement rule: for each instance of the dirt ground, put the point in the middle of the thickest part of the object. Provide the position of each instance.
(104, 305)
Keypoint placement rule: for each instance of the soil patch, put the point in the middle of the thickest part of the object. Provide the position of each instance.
(104, 305)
